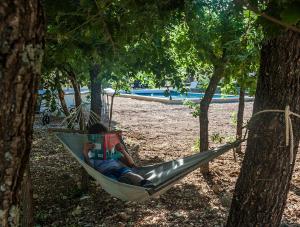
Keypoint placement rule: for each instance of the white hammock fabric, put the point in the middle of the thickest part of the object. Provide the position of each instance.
(163, 175)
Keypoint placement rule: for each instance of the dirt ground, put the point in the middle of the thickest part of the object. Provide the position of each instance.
(155, 132)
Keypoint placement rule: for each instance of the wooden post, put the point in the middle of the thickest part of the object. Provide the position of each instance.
(111, 110)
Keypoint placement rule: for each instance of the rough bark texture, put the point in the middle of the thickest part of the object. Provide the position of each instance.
(27, 200)
(21, 51)
(240, 118)
(77, 95)
(61, 95)
(261, 189)
(96, 101)
(204, 105)
(76, 87)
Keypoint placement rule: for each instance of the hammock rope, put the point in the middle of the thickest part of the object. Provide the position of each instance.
(289, 136)
(83, 113)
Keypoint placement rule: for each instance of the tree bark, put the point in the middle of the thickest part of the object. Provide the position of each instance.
(96, 101)
(21, 52)
(263, 184)
(27, 200)
(240, 118)
(61, 95)
(76, 87)
(204, 105)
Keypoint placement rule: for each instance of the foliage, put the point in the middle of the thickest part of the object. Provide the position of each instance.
(196, 145)
(224, 35)
(193, 106)
(290, 13)
(230, 139)
(217, 138)
(274, 15)
(117, 35)
(233, 118)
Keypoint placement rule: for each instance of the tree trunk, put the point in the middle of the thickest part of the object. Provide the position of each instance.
(76, 87)
(263, 184)
(204, 105)
(96, 102)
(77, 95)
(61, 95)
(21, 52)
(240, 118)
(27, 205)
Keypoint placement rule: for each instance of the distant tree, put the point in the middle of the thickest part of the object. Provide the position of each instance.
(21, 52)
(244, 67)
(215, 28)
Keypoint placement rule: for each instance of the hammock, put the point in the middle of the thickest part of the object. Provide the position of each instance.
(163, 175)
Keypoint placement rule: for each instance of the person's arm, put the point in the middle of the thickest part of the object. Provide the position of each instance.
(127, 158)
(86, 147)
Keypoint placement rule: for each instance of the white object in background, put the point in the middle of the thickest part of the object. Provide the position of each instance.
(193, 84)
(109, 91)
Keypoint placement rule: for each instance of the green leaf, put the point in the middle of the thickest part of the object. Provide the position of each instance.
(291, 14)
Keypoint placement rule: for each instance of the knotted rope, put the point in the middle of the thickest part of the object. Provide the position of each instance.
(81, 112)
(289, 136)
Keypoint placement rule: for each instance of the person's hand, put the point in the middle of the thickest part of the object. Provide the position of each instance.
(88, 146)
(120, 147)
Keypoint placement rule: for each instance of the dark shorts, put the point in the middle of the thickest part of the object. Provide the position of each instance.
(117, 173)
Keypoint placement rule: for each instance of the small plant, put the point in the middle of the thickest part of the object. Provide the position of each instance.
(217, 138)
(234, 118)
(194, 106)
(230, 139)
(196, 146)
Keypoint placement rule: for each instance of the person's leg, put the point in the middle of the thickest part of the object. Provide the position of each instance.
(131, 178)
(135, 179)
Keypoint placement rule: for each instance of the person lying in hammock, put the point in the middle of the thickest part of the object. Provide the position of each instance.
(120, 169)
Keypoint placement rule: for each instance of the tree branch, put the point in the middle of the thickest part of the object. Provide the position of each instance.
(266, 16)
(106, 27)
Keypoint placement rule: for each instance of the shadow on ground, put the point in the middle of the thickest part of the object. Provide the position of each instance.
(58, 200)
(295, 189)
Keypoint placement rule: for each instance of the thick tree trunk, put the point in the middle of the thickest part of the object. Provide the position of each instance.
(27, 201)
(261, 189)
(96, 101)
(21, 51)
(204, 105)
(240, 118)
(61, 95)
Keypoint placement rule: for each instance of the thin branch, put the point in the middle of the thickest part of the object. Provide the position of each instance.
(86, 22)
(106, 27)
(268, 17)
(276, 21)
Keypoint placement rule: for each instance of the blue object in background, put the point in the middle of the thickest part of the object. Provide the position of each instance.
(178, 95)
